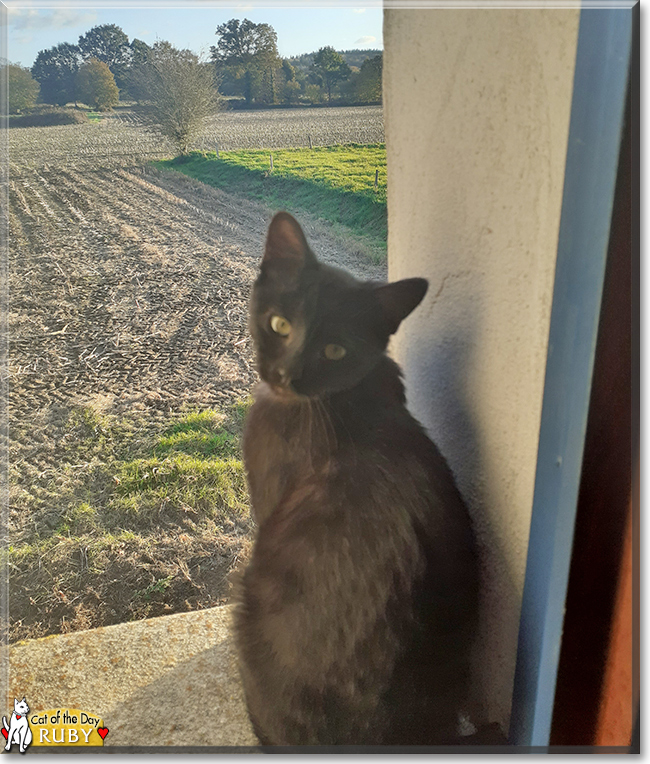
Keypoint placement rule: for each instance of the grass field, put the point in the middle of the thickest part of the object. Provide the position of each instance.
(129, 488)
(335, 183)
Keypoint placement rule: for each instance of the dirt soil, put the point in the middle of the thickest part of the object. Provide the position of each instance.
(127, 292)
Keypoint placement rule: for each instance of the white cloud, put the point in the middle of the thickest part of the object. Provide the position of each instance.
(59, 18)
(22, 39)
(367, 40)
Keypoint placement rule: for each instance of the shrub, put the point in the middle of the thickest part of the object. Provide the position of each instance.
(95, 85)
(46, 116)
(23, 89)
(181, 93)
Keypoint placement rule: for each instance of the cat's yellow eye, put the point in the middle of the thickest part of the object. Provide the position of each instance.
(334, 352)
(280, 326)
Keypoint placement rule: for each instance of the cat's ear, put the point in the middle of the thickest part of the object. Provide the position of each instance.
(286, 244)
(398, 299)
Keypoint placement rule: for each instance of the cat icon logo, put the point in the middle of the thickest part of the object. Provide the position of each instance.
(18, 730)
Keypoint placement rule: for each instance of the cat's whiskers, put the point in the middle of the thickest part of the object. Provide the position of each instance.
(311, 437)
(315, 407)
(303, 426)
(305, 437)
(328, 427)
(315, 430)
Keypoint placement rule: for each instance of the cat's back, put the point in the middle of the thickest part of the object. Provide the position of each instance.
(362, 577)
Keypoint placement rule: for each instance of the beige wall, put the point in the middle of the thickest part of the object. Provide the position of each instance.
(476, 108)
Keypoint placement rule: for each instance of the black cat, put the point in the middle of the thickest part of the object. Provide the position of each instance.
(357, 610)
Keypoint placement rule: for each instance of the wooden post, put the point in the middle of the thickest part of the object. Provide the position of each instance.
(310, 146)
(376, 179)
(217, 148)
(271, 156)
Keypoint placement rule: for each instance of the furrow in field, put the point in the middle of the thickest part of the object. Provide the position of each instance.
(157, 312)
(189, 222)
(170, 240)
(153, 216)
(55, 193)
(169, 231)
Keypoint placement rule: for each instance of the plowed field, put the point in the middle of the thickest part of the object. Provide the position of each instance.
(127, 307)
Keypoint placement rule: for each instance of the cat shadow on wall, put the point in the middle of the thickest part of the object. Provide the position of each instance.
(437, 358)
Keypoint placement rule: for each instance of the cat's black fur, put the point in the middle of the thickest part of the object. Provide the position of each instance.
(356, 613)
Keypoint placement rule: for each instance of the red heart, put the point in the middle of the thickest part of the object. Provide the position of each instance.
(103, 731)
(5, 733)
(17, 716)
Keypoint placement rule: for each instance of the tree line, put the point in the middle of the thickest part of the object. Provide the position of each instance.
(244, 65)
(177, 91)
(249, 66)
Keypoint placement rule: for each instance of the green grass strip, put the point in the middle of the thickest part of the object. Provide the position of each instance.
(334, 183)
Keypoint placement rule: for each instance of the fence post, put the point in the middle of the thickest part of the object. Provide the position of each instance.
(310, 146)
(376, 179)
(271, 156)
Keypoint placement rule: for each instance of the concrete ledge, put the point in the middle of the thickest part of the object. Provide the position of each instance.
(169, 681)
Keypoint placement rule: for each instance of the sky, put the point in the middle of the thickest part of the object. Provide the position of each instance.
(300, 28)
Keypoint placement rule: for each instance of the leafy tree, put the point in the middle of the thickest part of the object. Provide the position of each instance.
(289, 85)
(288, 70)
(368, 84)
(353, 58)
(55, 69)
(291, 91)
(247, 54)
(330, 67)
(96, 85)
(23, 89)
(181, 93)
(134, 79)
(108, 43)
(313, 93)
(139, 52)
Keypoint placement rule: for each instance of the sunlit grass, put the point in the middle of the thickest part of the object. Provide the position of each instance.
(332, 183)
(350, 167)
(130, 498)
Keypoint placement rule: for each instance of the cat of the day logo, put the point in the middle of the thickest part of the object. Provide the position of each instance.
(57, 726)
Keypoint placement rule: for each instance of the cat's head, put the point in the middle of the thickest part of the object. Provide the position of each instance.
(20, 706)
(318, 330)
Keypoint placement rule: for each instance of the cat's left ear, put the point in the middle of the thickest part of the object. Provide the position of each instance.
(286, 245)
(398, 299)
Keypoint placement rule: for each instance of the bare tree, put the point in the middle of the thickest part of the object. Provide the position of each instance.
(180, 92)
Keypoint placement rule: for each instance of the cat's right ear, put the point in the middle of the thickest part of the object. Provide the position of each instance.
(286, 245)
(398, 299)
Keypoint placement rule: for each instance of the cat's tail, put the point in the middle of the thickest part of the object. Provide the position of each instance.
(4, 721)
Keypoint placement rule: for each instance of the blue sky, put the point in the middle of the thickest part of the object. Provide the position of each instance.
(300, 28)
